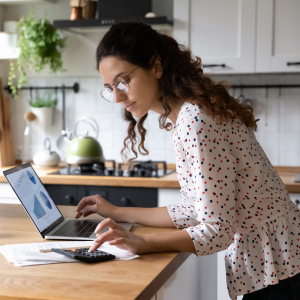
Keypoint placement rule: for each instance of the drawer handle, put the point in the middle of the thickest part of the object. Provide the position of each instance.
(212, 66)
(124, 201)
(69, 198)
(292, 63)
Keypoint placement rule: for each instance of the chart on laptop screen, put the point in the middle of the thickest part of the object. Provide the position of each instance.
(34, 197)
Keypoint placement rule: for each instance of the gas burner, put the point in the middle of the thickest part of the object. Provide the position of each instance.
(144, 169)
(108, 168)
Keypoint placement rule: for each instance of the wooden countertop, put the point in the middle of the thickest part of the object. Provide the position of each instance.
(287, 175)
(139, 278)
(168, 181)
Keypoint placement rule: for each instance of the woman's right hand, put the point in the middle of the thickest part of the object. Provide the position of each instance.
(94, 204)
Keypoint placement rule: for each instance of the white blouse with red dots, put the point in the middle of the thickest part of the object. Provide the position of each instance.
(233, 199)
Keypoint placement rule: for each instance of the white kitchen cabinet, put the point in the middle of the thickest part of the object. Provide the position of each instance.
(7, 195)
(219, 32)
(278, 36)
(197, 276)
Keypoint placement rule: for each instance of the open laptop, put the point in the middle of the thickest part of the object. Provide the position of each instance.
(42, 210)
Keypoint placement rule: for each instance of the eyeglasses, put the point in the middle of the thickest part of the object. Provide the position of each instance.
(120, 84)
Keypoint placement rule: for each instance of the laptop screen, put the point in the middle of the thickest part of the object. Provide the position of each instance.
(33, 196)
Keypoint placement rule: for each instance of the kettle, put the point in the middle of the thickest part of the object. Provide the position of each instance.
(46, 157)
(85, 149)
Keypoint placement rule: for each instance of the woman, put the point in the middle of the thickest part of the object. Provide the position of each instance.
(232, 198)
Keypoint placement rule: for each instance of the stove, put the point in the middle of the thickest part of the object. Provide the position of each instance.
(151, 169)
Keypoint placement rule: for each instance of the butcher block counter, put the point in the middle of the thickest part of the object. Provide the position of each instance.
(170, 181)
(140, 278)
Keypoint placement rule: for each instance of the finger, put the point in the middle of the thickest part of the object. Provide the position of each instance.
(107, 236)
(108, 222)
(84, 212)
(118, 241)
(86, 201)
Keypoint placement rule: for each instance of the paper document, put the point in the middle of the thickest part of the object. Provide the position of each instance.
(29, 254)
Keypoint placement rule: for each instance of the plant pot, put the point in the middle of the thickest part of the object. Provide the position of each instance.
(44, 116)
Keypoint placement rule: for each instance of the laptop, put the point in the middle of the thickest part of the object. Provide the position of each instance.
(42, 210)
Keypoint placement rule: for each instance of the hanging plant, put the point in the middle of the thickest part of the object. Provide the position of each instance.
(40, 45)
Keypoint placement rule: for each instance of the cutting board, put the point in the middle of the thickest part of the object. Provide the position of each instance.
(7, 152)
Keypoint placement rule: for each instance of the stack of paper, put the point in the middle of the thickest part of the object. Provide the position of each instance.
(29, 254)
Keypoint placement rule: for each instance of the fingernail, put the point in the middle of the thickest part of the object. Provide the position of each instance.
(90, 250)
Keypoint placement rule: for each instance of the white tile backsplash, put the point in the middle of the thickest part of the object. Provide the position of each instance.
(280, 138)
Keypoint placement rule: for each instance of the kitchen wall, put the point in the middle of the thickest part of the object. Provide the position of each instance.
(278, 128)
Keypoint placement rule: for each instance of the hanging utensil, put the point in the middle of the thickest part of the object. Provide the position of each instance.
(66, 136)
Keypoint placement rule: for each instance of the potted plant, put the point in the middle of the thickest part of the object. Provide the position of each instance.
(40, 45)
(43, 108)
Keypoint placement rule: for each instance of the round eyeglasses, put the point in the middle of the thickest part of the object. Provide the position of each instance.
(120, 84)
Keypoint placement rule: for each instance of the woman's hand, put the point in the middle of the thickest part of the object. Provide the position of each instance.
(119, 237)
(94, 204)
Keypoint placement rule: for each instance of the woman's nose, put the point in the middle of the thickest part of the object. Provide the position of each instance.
(118, 95)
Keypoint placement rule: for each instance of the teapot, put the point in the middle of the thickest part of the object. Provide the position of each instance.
(46, 157)
(85, 149)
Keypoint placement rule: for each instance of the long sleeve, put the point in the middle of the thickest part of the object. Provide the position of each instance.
(208, 171)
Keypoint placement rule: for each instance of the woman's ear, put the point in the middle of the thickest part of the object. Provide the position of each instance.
(157, 68)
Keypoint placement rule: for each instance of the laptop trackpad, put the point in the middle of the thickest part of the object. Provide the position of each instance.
(93, 236)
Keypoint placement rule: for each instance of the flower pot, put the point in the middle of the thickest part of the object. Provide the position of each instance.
(44, 116)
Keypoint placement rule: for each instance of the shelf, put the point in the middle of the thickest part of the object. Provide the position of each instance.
(9, 53)
(93, 25)
(8, 2)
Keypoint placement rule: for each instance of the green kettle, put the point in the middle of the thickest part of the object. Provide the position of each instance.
(85, 149)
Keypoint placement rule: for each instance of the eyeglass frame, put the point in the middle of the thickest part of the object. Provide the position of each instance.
(116, 87)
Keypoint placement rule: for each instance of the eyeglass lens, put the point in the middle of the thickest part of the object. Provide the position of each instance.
(120, 84)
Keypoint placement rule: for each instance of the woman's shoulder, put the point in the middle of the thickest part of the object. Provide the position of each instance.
(191, 115)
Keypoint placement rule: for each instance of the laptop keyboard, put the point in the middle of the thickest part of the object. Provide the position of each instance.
(76, 228)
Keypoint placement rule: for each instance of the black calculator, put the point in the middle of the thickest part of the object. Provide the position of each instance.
(84, 254)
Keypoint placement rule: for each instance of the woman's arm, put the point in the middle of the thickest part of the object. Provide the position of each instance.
(178, 240)
(156, 217)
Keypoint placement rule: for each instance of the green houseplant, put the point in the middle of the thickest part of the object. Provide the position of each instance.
(40, 45)
(43, 108)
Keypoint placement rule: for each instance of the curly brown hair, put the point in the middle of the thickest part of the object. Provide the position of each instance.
(182, 79)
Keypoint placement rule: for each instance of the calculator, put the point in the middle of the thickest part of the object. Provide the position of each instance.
(84, 255)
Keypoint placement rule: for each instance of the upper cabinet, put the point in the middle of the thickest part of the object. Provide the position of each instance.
(278, 36)
(221, 32)
(241, 36)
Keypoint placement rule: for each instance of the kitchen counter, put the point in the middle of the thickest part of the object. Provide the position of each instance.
(168, 181)
(287, 175)
(138, 279)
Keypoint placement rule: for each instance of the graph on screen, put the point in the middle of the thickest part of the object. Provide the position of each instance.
(22, 184)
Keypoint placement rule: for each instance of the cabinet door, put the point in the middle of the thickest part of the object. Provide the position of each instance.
(219, 32)
(278, 36)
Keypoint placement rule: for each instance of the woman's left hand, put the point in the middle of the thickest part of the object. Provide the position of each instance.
(119, 237)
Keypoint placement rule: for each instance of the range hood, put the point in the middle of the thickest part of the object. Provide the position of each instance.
(110, 12)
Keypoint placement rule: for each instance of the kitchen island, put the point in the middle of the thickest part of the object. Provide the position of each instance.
(140, 278)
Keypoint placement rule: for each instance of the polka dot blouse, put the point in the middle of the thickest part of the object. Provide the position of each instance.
(233, 199)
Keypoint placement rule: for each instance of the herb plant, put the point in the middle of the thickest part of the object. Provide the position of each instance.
(44, 101)
(40, 45)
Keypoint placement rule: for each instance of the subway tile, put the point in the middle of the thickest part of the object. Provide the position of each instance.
(290, 123)
(289, 158)
(289, 142)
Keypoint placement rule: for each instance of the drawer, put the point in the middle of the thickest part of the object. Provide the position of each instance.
(119, 196)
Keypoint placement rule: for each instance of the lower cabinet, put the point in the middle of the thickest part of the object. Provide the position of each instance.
(119, 196)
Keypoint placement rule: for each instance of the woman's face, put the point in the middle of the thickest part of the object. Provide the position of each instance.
(144, 89)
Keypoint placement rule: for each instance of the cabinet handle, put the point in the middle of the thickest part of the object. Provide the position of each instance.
(292, 63)
(212, 66)
(124, 201)
(297, 201)
(69, 198)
